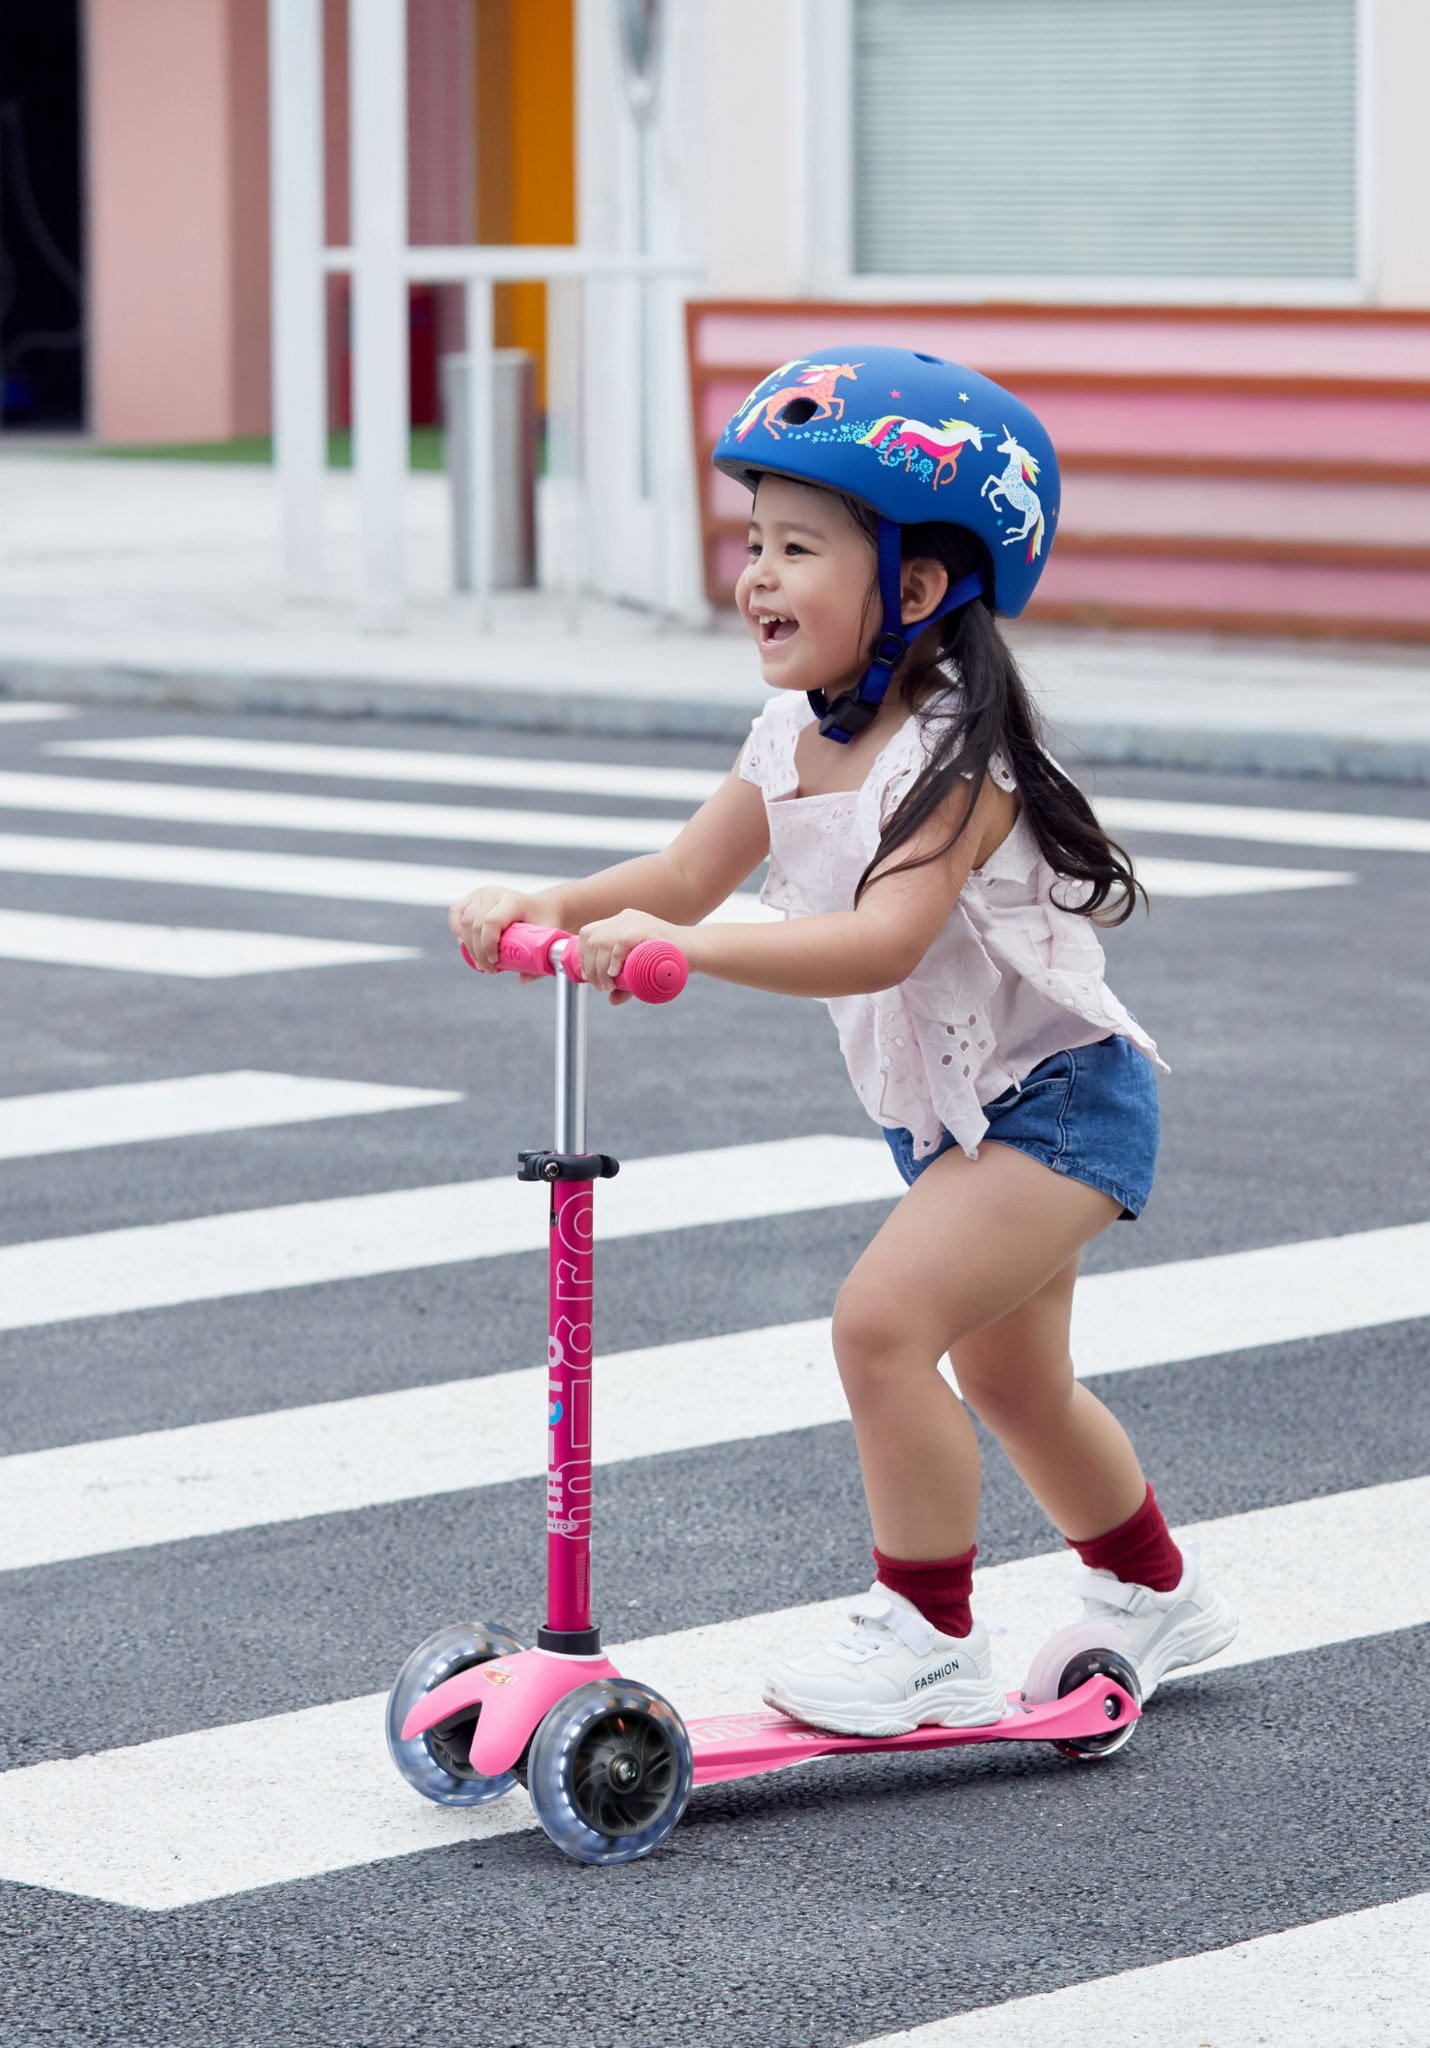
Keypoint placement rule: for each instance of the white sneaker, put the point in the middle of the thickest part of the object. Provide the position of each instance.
(889, 1673)
(1155, 1632)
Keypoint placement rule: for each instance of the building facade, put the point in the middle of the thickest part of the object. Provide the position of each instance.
(1197, 230)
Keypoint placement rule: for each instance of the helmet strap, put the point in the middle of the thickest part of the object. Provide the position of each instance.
(856, 709)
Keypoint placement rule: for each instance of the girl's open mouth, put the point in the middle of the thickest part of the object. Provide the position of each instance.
(774, 631)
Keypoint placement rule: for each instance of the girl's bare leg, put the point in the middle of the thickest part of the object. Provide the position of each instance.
(978, 1260)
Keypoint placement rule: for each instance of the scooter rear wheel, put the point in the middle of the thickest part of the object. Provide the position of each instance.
(1099, 1664)
(435, 1763)
(609, 1771)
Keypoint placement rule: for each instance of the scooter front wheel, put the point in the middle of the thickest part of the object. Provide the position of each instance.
(435, 1763)
(609, 1771)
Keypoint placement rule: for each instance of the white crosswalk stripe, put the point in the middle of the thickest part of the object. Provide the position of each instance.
(401, 764)
(138, 1112)
(178, 803)
(357, 881)
(14, 711)
(1345, 830)
(333, 1457)
(391, 764)
(270, 874)
(1361, 1980)
(397, 881)
(1228, 878)
(254, 1251)
(222, 1810)
(191, 952)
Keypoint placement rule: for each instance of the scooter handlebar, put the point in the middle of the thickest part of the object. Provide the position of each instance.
(655, 971)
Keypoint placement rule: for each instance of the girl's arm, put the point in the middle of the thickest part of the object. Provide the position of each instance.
(847, 952)
(723, 843)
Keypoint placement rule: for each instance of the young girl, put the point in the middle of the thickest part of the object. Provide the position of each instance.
(939, 877)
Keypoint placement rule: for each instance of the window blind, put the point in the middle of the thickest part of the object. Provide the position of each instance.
(1106, 138)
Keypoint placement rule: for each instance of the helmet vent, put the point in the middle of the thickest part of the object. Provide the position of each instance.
(921, 358)
(798, 411)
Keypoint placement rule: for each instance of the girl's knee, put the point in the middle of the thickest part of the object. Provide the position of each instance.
(872, 1341)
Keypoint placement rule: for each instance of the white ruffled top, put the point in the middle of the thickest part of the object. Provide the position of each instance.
(1011, 978)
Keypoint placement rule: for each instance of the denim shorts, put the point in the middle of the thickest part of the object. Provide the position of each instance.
(1090, 1114)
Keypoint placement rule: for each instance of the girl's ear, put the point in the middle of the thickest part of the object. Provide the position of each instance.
(922, 584)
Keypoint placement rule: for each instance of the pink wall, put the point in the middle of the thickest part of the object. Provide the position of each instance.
(178, 207)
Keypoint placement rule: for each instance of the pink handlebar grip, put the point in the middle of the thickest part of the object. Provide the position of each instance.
(655, 971)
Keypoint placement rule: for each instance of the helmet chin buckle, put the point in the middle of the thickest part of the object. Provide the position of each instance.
(848, 716)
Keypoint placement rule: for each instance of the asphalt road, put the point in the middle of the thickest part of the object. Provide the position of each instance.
(820, 1908)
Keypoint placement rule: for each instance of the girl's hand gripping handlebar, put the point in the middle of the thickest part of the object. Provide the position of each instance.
(655, 971)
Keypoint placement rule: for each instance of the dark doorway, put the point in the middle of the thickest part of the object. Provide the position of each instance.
(41, 263)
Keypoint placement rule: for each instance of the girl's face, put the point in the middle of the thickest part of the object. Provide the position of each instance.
(805, 592)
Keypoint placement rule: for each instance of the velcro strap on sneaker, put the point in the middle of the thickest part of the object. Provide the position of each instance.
(1115, 1593)
(910, 1628)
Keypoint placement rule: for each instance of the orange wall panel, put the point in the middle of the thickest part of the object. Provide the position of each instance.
(526, 149)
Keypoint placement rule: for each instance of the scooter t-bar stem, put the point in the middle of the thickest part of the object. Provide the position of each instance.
(656, 972)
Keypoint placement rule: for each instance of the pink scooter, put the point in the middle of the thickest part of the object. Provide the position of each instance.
(608, 1763)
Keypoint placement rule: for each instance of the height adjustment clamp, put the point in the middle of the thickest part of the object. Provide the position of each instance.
(551, 1166)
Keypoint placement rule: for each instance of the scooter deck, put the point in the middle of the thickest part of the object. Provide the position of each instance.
(746, 1745)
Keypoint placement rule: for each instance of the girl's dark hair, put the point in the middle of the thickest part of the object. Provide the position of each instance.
(991, 714)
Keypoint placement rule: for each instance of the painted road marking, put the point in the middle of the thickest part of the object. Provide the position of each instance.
(185, 950)
(1341, 829)
(251, 1251)
(399, 764)
(390, 764)
(223, 1810)
(301, 874)
(27, 713)
(137, 1112)
(178, 803)
(1361, 1980)
(397, 881)
(334, 1457)
(1226, 878)
(291, 811)
(271, 874)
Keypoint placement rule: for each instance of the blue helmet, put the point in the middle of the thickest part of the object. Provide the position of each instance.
(915, 438)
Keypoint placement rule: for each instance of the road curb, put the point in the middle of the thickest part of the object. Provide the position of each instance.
(1330, 755)
(520, 708)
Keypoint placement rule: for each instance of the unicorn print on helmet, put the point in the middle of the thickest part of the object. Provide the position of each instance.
(894, 434)
(812, 397)
(1015, 488)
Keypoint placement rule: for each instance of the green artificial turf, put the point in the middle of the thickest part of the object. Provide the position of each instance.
(425, 449)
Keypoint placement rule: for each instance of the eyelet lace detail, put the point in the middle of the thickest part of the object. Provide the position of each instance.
(1012, 977)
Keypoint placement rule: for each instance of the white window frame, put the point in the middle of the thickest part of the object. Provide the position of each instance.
(824, 111)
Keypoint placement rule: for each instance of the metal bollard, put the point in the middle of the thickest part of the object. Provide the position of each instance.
(513, 544)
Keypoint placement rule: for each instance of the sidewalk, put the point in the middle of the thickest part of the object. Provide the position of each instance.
(156, 583)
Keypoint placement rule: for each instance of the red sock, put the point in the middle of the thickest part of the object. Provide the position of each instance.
(939, 1587)
(1140, 1551)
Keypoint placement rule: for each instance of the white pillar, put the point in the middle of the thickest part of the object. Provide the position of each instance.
(300, 403)
(481, 442)
(377, 61)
